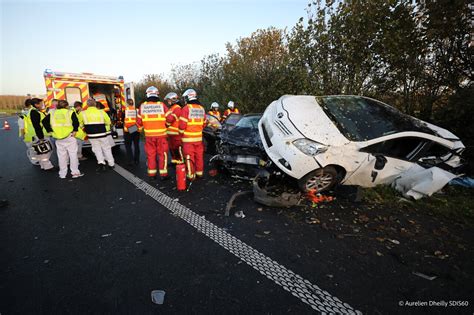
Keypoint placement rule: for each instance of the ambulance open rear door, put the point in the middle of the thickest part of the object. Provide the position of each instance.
(129, 91)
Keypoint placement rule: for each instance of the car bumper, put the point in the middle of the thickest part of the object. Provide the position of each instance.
(278, 143)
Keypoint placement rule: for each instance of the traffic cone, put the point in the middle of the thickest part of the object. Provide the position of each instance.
(6, 125)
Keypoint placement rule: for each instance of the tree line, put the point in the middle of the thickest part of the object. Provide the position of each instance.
(414, 55)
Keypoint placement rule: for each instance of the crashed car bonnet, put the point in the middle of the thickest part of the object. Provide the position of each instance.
(239, 148)
(321, 141)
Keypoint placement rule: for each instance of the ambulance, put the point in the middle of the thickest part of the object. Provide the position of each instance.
(111, 91)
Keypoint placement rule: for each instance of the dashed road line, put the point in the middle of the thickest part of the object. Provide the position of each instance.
(319, 299)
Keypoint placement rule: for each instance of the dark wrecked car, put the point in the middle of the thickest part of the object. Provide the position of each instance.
(213, 129)
(239, 149)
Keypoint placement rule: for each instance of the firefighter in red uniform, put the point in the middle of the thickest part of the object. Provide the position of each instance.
(172, 121)
(215, 110)
(230, 110)
(151, 117)
(191, 124)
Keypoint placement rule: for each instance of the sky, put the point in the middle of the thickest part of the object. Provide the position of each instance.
(129, 38)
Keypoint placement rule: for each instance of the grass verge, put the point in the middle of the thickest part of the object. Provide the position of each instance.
(453, 202)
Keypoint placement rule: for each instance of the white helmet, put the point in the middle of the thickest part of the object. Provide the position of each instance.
(190, 95)
(215, 105)
(172, 96)
(230, 104)
(152, 92)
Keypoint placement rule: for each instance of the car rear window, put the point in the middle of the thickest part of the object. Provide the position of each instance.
(361, 119)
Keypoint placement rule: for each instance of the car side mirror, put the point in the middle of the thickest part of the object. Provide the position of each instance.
(380, 162)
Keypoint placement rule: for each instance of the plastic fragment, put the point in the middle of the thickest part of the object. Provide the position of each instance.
(158, 296)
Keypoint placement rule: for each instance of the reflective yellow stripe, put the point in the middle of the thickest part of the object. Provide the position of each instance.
(183, 119)
(199, 173)
(173, 133)
(151, 171)
(155, 130)
(189, 133)
(153, 119)
(165, 164)
(196, 123)
(191, 139)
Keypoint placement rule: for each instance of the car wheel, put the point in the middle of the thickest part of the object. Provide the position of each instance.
(321, 179)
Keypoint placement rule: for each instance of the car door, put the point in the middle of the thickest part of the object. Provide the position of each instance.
(387, 157)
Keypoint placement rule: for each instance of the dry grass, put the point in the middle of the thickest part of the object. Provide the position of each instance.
(12, 101)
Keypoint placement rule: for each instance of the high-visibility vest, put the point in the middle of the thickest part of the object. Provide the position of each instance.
(195, 123)
(61, 123)
(130, 117)
(215, 113)
(80, 134)
(99, 97)
(153, 119)
(173, 129)
(29, 129)
(230, 111)
(107, 126)
(95, 121)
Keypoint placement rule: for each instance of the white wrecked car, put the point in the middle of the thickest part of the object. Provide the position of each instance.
(353, 140)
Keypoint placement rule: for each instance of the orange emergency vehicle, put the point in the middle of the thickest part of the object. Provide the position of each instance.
(74, 87)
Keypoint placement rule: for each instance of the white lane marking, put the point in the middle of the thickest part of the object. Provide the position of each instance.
(303, 289)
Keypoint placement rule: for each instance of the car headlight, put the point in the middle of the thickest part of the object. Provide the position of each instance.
(309, 147)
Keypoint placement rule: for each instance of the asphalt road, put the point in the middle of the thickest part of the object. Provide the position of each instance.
(100, 245)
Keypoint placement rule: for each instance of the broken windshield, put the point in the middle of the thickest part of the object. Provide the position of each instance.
(361, 119)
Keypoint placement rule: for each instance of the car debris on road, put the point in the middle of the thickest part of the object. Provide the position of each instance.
(158, 296)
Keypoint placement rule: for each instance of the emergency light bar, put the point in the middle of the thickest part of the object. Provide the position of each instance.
(84, 75)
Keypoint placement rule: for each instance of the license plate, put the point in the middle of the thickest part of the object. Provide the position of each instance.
(247, 160)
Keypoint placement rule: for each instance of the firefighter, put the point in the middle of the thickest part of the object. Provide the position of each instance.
(230, 110)
(94, 122)
(191, 124)
(172, 121)
(80, 134)
(215, 111)
(131, 133)
(63, 123)
(152, 117)
(35, 133)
